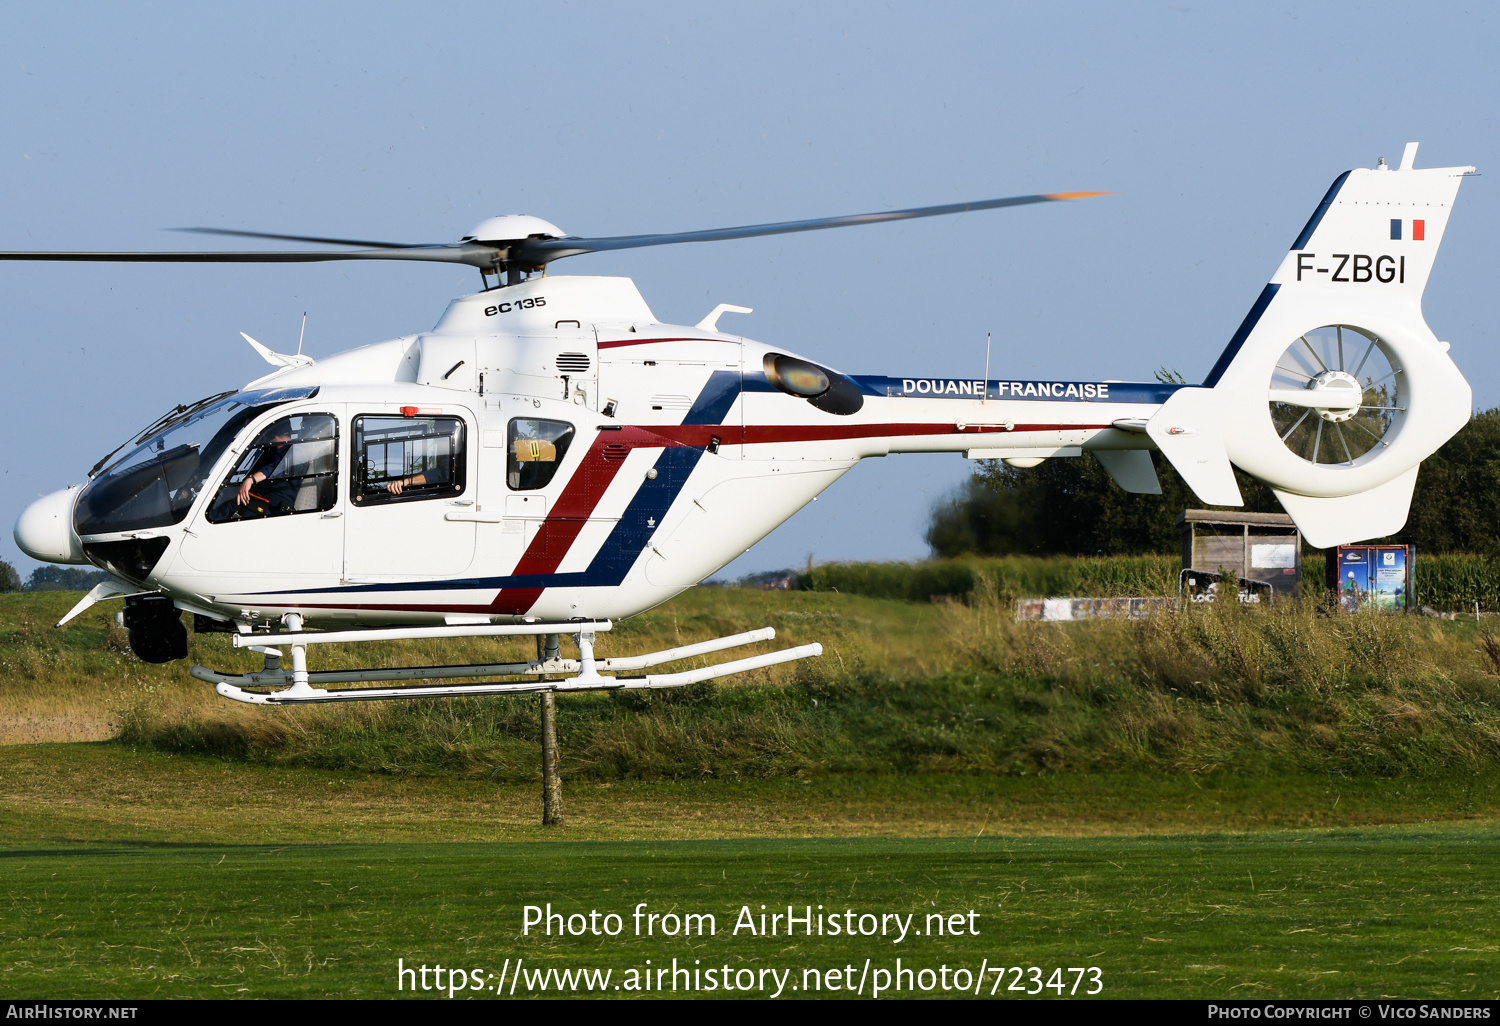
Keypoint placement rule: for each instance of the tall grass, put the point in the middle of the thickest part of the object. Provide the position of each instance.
(1202, 687)
(954, 687)
(1198, 689)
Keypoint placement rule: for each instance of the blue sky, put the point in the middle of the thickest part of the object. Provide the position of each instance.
(1217, 126)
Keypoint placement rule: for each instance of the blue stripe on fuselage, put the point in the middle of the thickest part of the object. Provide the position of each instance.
(1032, 390)
(717, 398)
(649, 506)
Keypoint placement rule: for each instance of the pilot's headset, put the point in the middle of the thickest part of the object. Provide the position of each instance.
(267, 437)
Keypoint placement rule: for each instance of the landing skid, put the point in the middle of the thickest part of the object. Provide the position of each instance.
(299, 686)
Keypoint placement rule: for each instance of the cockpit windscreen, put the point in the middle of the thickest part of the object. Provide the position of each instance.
(156, 482)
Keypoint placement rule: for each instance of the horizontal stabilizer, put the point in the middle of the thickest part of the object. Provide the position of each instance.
(1132, 469)
(110, 589)
(1186, 430)
(1377, 513)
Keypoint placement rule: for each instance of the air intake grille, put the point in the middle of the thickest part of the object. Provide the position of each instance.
(572, 363)
(615, 452)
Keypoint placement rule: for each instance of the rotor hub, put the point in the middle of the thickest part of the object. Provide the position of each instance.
(1337, 383)
(513, 228)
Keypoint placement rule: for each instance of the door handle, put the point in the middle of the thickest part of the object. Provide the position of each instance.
(330, 516)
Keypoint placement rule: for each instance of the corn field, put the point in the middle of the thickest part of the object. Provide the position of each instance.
(1449, 583)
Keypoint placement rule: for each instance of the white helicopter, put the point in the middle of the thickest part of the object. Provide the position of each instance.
(550, 457)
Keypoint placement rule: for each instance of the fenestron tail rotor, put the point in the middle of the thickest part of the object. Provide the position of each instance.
(1336, 395)
(514, 244)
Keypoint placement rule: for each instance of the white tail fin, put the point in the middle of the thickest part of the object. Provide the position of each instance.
(1334, 388)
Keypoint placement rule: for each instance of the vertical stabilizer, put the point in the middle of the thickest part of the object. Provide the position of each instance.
(1334, 389)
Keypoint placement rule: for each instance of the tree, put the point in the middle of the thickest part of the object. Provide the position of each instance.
(64, 578)
(9, 579)
(1068, 506)
(1456, 507)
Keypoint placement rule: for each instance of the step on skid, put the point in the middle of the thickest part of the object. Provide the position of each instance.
(299, 686)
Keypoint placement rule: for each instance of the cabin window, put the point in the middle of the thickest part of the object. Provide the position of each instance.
(291, 467)
(535, 451)
(402, 459)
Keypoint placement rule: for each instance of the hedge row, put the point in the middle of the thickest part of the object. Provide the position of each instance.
(1029, 576)
(1448, 582)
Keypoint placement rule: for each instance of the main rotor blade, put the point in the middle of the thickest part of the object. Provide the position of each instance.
(298, 238)
(471, 253)
(541, 251)
(526, 252)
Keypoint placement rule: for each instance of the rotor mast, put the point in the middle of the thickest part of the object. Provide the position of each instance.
(508, 271)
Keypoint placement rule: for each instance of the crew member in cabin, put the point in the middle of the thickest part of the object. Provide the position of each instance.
(399, 485)
(276, 494)
(292, 467)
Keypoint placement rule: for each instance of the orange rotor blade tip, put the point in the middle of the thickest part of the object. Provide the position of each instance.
(1073, 195)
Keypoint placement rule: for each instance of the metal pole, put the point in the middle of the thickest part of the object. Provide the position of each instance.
(552, 810)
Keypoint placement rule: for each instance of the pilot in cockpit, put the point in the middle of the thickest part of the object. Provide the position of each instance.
(259, 484)
(290, 467)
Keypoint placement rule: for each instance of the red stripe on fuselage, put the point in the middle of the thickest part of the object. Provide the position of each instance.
(617, 343)
(764, 434)
(567, 517)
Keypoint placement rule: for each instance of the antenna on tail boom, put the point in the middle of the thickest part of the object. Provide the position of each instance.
(986, 367)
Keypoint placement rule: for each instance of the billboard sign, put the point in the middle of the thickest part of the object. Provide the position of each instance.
(1374, 577)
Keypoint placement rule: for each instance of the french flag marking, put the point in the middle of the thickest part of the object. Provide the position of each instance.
(1418, 230)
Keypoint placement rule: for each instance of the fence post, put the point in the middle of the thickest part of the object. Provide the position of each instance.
(552, 810)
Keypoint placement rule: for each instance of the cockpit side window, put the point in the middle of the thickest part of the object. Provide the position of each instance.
(399, 459)
(536, 449)
(291, 467)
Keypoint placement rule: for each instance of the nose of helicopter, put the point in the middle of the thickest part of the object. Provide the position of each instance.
(44, 530)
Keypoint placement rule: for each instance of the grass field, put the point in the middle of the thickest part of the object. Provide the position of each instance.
(1219, 805)
(1310, 914)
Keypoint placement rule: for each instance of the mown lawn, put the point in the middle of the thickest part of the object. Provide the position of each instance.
(86, 793)
(1391, 912)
